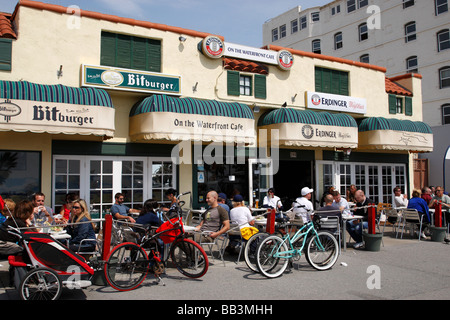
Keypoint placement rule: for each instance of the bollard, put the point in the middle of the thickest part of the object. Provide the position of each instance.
(107, 228)
(371, 218)
(270, 227)
(438, 214)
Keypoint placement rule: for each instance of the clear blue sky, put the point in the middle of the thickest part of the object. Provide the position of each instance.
(239, 21)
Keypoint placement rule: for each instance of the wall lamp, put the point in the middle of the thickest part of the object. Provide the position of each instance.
(182, 39)
(59, 73)
(194, 88)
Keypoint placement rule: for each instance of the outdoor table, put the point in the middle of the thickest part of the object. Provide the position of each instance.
(60, 235)
(256, 211)
(188, 229)
(345, 218)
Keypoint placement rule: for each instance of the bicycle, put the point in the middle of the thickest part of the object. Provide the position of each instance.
(128, 263)
(321, 249)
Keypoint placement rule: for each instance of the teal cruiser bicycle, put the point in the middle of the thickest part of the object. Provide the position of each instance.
(320, 247)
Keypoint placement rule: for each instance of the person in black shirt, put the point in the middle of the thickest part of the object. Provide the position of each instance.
(354, 226)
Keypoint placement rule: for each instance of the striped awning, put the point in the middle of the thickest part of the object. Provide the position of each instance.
(169, 118)
(26, 106)
(395, 134)
(312, 129)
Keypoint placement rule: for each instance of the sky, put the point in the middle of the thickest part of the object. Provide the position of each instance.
(238, 21)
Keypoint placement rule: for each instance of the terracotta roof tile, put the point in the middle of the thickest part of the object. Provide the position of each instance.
(395, 88)
(243, 65)
(6, 28)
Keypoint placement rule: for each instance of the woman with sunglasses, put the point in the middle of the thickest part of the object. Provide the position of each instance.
(81, 229)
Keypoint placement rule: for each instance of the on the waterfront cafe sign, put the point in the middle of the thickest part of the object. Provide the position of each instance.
(130, 80)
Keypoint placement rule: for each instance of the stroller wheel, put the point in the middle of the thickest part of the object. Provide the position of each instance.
(40, 284)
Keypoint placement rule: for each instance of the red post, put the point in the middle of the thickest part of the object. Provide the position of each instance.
(371, 218)
(270, 227)
(107, 228)
(438, 215)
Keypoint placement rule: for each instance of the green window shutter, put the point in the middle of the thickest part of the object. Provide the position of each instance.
(408, 106)
(139, 54)
(108, 49)
(5, 54)
(123, 51)
(233, 83)
(335, 82)
(392, 104)
(318, 79)
(343, 81)
(153, 55)
(260, 87)
(326, 80)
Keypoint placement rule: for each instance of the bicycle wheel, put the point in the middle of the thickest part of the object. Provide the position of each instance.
(250, 250)
(272, 257)
(322, 250)
(189, 258)
(126, 266)
(40, 284)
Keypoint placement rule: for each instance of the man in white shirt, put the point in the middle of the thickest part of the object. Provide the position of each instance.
(303, 206)
(341, 203)
(400, 200)
(271, 200)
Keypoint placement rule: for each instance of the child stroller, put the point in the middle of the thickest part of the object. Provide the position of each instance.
(45, 266)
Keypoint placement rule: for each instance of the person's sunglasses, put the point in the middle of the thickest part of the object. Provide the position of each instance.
(76, 207)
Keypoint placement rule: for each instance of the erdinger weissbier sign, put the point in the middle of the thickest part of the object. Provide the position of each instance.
(55, 118)
(335, 102)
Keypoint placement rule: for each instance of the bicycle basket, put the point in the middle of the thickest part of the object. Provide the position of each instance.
(169, 235)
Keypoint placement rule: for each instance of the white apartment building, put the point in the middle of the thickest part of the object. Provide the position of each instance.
(404, 36)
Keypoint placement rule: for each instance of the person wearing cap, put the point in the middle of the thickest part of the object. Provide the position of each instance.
(222, 201)
(303, 206)
(271, 200)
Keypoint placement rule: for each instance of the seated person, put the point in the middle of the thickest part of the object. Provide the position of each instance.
(271, 200)
(83, 230)
(242, 216)
(215, 219)
(8, 209)
(148, 216)
(400, 200)
(421, 206)
(121, 211)
(330, 209)
(66, 208)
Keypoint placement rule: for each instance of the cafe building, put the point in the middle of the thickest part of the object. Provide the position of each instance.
(97, 104)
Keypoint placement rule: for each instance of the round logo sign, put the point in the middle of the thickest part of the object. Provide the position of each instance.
(213, 47)
(315, 99)
(285, 60)
(307, 131)
(112, 78)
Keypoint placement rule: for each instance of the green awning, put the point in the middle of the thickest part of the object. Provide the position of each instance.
(380, 123)
(395, 134)
(162, 117)
(307, 128)
(163, 103)
(289, 115)
(55, 109)
(24, 90)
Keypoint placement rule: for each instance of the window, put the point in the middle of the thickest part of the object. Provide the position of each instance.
(336, 10)
(412, 64)
(20, 174)
(315, 16)
(338, 43)
(398, 104)
(123, 51)
(444, 77)
(244, 84)
(446, 114)
(283, 31)
(408, 3)
(364, 58)
(441, 6)
(443, 39)
(97, 179)
(316, 46)
(410, 31)
(363, 32)
(5, 54)
(331, 81)
(351, 5)
(303, 23)
(275, 34)
(362, 3)
(294, 26)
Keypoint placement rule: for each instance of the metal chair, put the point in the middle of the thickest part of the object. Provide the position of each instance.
(412, 217)
(395, 218)
(235, 231)
(333, 225)
(218, 242)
